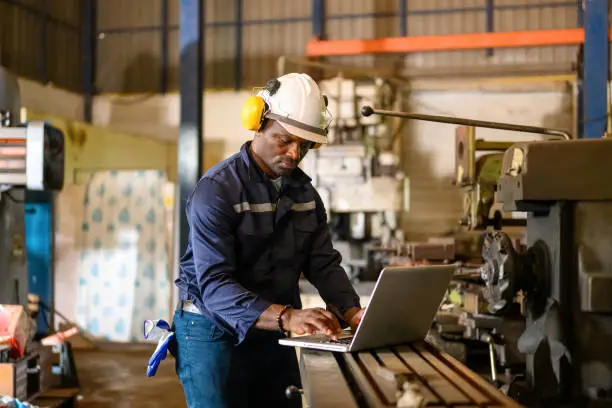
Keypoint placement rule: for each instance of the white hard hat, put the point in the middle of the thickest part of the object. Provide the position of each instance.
(296, 102)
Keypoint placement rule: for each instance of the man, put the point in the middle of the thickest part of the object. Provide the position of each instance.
(257, 223)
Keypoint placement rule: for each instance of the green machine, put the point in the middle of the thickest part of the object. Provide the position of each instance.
(478, 166)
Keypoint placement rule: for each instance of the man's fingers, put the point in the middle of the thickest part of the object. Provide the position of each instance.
(326, 313)
(326, 325)
(330, 319)
(310, 328)
(333, 322)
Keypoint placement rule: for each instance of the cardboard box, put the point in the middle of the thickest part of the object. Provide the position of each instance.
(15, 328)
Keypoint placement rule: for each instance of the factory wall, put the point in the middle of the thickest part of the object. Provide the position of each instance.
(428, 148)
(50, 100)
(429, 151)
(428, 154)
(138, 49)
(41, 40)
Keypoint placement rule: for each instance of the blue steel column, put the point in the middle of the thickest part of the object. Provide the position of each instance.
(403, 15)
(596, 68)
(318, 19)
(88, 48)
(190, 142)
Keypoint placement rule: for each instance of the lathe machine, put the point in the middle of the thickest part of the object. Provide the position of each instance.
(563, 273)
(31, 159)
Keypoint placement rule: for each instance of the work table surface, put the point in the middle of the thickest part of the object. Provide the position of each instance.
(355, 380)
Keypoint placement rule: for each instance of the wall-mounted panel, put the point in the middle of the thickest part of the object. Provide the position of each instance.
(68, 11)
(174, 7)
(274, 9)
(39, 42)
(129, 62)
(263, 44)
(219, 46)
(122, 14)
(20, 42)
(271, 28)
(64, 57)
(221, 10)
(172, 66)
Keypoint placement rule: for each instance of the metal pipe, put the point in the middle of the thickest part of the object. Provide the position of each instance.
(368, 111)
(492, 361)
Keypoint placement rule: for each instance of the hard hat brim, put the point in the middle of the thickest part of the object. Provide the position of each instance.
(303, 133)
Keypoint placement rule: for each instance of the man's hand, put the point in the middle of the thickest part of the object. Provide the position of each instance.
(353, 317)
(311, 321)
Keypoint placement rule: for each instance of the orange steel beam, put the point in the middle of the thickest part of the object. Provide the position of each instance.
(318, 48)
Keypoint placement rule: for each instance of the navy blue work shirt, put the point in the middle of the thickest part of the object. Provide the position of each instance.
(249, 243)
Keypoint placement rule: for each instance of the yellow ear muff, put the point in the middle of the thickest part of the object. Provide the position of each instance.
(252, 114)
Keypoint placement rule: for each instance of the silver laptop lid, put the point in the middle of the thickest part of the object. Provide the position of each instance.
(403, 305)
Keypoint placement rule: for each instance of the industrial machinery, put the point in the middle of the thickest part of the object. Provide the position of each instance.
(564, 269)
(477, 168)
(31, 159)
(358, 175)
(549, 314)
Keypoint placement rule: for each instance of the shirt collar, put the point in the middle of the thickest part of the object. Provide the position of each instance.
(297, 178)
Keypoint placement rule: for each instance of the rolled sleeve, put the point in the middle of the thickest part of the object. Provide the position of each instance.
(323, 268)
(212, 224)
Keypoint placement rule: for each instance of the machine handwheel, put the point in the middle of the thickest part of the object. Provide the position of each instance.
(501, 268)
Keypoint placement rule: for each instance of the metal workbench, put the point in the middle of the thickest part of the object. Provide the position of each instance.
(356, 380)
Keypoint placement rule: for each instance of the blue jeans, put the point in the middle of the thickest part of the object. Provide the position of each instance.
(215, 373)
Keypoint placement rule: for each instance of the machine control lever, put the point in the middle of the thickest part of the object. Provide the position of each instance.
(369, 111)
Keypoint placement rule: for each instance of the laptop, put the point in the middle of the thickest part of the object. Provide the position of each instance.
(402, 307)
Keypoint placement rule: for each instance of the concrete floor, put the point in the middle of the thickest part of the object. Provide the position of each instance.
(115, 376)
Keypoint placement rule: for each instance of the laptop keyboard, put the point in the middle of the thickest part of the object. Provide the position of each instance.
(346, 340)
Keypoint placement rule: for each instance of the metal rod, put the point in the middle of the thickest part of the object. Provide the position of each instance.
(368, 111)
(492, 361)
